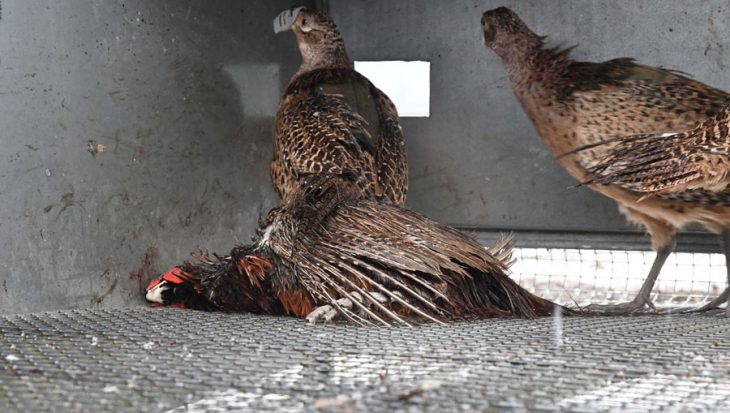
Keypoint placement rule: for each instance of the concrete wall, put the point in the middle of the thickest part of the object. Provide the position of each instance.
(133, 132)
(477, 160)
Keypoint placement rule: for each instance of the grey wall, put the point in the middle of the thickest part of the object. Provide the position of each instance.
(182, 95)
(477, 160)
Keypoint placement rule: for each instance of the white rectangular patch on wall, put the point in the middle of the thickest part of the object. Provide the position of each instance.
(407, 84)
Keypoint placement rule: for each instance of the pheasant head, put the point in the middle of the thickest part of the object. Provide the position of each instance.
(239, 275)
(506, 34)
(319, 41)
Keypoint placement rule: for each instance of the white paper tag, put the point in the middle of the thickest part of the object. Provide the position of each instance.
(285, 19)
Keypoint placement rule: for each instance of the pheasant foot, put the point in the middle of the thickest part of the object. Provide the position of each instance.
(717, 302)
(635, 306)
(329, 312)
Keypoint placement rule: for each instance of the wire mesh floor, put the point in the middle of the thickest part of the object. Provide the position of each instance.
(166, 360)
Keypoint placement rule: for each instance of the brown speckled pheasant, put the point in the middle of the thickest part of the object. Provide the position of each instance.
(671, 164)
(333, 120)
(573, 104)
(328, 252)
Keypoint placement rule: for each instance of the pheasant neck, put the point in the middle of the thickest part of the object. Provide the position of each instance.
(528, 62)
(332, 57)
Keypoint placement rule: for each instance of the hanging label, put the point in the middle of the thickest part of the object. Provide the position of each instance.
(285, 19)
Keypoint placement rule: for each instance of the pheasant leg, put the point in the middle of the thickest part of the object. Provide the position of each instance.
(722, 298)
(642, 299)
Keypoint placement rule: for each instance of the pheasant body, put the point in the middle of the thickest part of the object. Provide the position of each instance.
(335, 121)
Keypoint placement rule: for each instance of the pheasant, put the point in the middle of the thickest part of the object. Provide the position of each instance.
(573, 104)
(327, 252)
(334, 120)
(671, 163)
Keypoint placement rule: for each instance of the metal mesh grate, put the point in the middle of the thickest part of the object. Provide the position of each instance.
(611, 276)
(165, 360)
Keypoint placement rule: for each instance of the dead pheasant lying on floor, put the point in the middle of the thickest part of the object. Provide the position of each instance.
(670, 164)
(333, 120)
(326, 253)
(573, 104)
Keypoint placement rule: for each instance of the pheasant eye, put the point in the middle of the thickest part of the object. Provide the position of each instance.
(304, 28)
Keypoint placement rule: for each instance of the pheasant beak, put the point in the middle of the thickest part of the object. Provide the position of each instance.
(489, 29)
(154, 292)
(284, 21)
(161, 284)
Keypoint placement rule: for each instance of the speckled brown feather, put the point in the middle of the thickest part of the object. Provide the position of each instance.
(317, 131)
(327, 243)
(334, 120)
(573, 104)
(656, 164)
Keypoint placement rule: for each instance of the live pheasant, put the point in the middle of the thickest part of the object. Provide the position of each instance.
(573, 104)
(334, 120)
